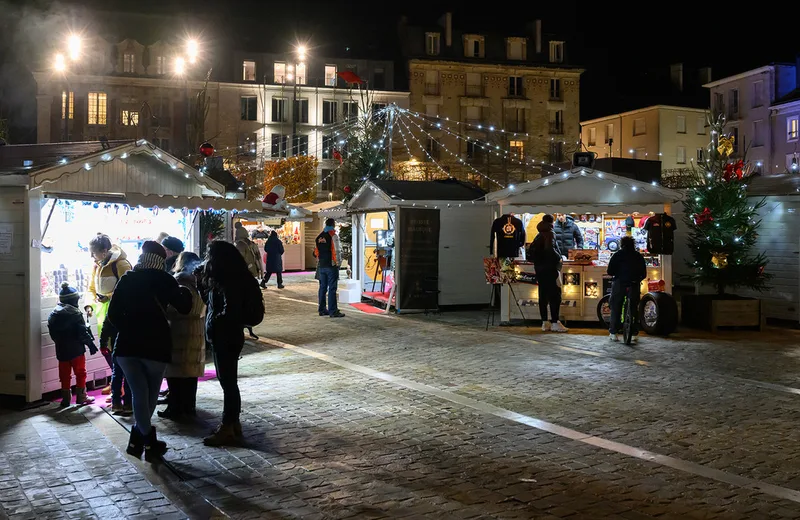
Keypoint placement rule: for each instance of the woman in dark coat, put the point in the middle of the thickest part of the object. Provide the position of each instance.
(274, 250)
(224, 283)
(547, 264)
(144, 341)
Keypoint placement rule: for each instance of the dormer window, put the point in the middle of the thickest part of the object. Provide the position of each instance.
(556, 52)
(473, 46)
(432, 43)
(516, 48)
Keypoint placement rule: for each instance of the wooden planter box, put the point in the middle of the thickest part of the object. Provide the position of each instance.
(711, 311)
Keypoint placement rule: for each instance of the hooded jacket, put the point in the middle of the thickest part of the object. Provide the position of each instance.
(546, 260)
(568, 235)
(106, 275)
(274, 249)
(69, 332)
(188, 339)
(138, 311)
(542, 227)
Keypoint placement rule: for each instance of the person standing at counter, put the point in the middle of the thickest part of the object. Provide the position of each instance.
(568, 234)
(547, 264)
(628, 268)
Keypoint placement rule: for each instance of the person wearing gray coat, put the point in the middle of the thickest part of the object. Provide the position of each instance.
(188, 353)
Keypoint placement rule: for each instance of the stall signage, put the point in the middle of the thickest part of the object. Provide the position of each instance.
(418, 277)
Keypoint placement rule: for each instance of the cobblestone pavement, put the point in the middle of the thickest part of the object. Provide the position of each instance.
(431, 417)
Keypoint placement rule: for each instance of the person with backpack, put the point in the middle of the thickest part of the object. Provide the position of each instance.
(328, 252)
(234, 302)
(144, 341)
(110, 263)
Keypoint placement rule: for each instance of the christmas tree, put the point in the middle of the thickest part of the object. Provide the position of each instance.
(722, 222)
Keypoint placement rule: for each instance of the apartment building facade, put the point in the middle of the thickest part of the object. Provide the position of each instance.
(757, 107)
(515, 93)
(261, 107)
(676, 136)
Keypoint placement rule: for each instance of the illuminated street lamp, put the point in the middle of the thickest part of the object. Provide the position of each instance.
(180, 66)
(293, 75)
(192, 50)
(74, 46)
(59, 63)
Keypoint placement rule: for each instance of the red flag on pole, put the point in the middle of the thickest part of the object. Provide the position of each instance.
(350, 77)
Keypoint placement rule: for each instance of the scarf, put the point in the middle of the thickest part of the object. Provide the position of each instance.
(328, 229)
(150, 261)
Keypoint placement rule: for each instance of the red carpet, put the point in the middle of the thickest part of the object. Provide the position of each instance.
(365, 307)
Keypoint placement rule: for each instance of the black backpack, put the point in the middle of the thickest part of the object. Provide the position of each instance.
(253, 303)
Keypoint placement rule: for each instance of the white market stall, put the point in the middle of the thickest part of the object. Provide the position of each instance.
(320, 212)
(132, 192)
(425, 238)
(600, 203)
(291, 229)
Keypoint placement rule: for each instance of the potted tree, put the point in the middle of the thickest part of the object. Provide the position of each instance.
(723, 225)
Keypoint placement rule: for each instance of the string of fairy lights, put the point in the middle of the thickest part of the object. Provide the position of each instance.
(425, 151)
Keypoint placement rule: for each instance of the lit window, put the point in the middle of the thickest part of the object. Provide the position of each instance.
(97, 108)
(330, 75)
(556, 52)
(161, 65)
(517, 150)
(71, 105)
(792, 128)
(248, 70)
(128, 63)
(130, 118)
(432, 43)
(301, 73)
(279, 72)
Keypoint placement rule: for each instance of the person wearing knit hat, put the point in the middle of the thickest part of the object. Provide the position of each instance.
(173, 246)
(144, 343)
(68, 329)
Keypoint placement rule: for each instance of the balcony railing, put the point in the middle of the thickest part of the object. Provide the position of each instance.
(475, 90)
(556, 128)
(431, 89)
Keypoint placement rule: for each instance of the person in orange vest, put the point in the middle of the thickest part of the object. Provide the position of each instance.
(328, 252)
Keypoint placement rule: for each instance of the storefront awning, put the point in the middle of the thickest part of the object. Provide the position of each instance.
(584, 190)
(131, 171)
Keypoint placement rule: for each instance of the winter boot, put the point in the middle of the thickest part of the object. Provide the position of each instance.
(135, 443)
(224, 435)
(66, 398)
(154, 449)
(237, 429)
(81, 397)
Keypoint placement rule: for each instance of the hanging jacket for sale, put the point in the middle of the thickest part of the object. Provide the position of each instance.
(660, 234)
(509, 234)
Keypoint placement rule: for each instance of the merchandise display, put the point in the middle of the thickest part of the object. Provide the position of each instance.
(660, 230)
(72, 224)
(508, 233)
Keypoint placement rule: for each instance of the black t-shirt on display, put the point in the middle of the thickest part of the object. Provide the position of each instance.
(660, 234)
(510, 236)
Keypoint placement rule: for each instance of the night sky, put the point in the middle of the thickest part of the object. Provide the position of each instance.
(618, 48)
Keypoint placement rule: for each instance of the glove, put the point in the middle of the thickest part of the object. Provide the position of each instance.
(92, 350)
(103, 350)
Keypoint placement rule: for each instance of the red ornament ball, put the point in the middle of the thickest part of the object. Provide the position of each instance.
(206, 149)
(348, 189)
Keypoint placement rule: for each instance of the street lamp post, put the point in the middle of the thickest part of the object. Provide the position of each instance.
(300, 53)
(60, 66)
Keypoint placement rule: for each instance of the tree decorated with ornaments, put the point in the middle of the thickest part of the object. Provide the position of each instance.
(722, 222)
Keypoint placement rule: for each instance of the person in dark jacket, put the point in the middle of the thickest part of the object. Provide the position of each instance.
(547, 222)
(173, 246)
(144, 341)
(274, 250)
(568, 234)
(547, 264)
(68, 329)
(224, 281)
(120, 389)
(328, 252)
(628, 268)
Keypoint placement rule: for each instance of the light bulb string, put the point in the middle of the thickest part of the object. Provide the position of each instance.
(491, 148)
(410, 154)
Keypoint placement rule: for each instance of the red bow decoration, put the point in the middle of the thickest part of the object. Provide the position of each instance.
(338, 156)
(732, 169)
(703, 217)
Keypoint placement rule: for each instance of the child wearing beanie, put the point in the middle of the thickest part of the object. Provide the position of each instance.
(68, 329)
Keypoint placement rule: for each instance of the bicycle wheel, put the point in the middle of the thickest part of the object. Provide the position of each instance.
(627, 324)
